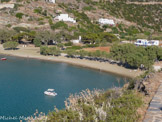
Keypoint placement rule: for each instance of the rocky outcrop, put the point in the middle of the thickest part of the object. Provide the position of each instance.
(7, 6)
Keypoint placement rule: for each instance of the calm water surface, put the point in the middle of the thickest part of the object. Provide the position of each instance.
(23, 81)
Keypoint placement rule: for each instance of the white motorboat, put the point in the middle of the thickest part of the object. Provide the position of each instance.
(50, 92)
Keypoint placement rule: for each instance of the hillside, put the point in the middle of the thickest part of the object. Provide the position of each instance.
(129, 16)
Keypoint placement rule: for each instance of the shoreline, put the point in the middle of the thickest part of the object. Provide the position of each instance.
(32, 53)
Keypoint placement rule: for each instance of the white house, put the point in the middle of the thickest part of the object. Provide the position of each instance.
(106, 21)
(77, 41)
(66, 18)
(154, 42)
(141, 42)
(144, 42)
(51, 1)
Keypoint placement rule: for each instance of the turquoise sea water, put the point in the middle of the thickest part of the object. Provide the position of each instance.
(23, 81)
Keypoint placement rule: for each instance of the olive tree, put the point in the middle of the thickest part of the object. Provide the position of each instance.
(6, 35)
(45, 36)
(10, 45)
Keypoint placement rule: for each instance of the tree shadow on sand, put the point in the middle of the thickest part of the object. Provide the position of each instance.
(12, 49)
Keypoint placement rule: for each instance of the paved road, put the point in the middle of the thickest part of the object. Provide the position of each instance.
(154, 112)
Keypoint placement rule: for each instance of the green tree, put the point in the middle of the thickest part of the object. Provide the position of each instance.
(44, 50)
(37, 42)
(38, 10)
(6, 35)
(54, 51)
(45, 36)
(90, 38)
(19, 15)
(10, 45)
(159, 54)
(71, 53)
(58, 25)
(134, 56)
(82, 53)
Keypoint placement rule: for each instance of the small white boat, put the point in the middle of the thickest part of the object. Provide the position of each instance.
(50, 92)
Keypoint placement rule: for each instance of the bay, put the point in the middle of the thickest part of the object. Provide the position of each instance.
(23, 82)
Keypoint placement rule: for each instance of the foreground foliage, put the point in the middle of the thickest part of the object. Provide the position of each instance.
(113, 105)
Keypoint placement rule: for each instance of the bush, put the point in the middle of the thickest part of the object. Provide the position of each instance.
(58, 25)
(69, 44)
(19, 0)
(124, 108)
(6, 35)
(71, 53)
(131, 84)
(99, 37)
(19, 15)
(82, 53)
(99, 106)
(88, 8)
(19, 29)
(63, 115)
(44, 50)
(8, 25)
(5, 1)
(74, 48)
(61, 45)
(91, 45)
(38, 10)
(37, 42)
(54, 51)
(10, 45)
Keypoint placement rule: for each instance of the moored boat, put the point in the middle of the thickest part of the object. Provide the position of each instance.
(3, 59)
(50, 92)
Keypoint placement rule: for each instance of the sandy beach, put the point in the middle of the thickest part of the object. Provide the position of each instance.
(33, 52)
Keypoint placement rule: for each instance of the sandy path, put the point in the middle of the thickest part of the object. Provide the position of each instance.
(145, 3)
(32, 52)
